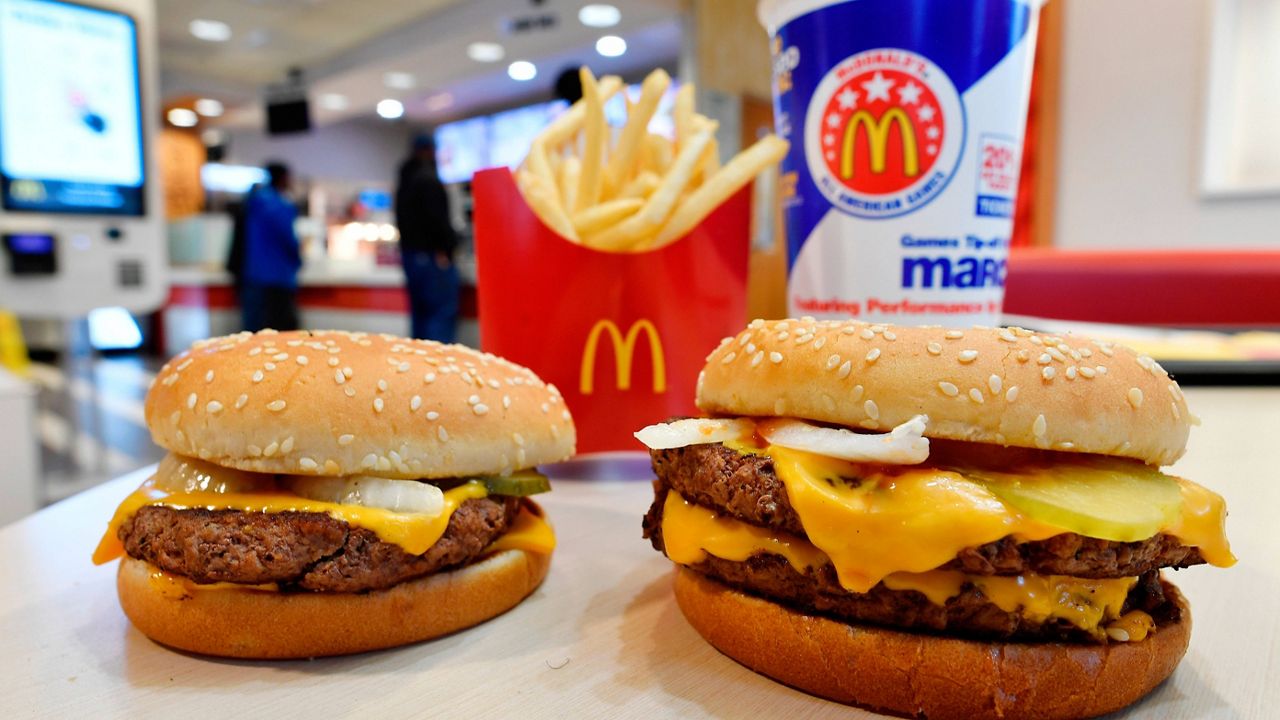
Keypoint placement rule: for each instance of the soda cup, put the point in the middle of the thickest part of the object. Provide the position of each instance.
(905, 119)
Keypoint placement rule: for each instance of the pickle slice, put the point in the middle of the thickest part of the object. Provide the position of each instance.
(1098, 498)
(520, 484)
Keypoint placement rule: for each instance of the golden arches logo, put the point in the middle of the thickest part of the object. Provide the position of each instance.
(877, 140)
(623, 350)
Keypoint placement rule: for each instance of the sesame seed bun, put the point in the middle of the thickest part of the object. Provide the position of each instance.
(337, 403)
(1006, 386)
(265, 624)
(920, 675)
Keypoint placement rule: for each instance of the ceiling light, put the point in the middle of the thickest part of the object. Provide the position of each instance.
(183, 117)
(398, 80)
(522, 70)
(334, 101)
(210, 30)
(208, 107)
(390, 109)
(438, 102)
(213, 137)
(485, 51)
(611, 46)
(599, 16)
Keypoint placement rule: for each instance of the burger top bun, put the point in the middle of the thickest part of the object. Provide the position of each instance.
(338, 403)
(1006, 386)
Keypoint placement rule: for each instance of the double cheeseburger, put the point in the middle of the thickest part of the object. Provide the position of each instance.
(935, 523)
(330, 493)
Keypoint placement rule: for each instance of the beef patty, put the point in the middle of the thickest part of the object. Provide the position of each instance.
(304, 550)
(968, 614)
(747, 487)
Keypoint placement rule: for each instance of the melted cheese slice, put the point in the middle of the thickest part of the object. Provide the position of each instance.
(691, 532)
(414, 532)
(875, 520)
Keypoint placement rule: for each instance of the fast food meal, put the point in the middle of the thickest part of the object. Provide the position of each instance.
(935, 523)
(644, 191)
(330, 493)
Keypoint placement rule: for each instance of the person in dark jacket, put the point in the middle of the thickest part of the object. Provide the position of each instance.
(427, 243)
(272, 256)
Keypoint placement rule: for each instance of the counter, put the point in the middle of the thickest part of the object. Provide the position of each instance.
(601, 638)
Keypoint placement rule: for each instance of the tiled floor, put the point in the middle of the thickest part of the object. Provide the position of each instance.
(90, 421)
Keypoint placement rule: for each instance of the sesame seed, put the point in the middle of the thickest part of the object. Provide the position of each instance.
(294, 343)
(169, 380)
(382, 385)
(1071, 372)
(976, 395)
(214, 407)
(1044, 359)
(184, 365)
(255, 351)
(369, 461)
(208, 377)
(755, 359)
(433, 415)
(1106, 350)
(995, 383)
(872, 410)
(953, 335)
(1048, 373)
(402, 367)
(254, 450)
(191, 401)
(817, 345)
(276, 405)
(1040, 426)
(775, 357)
(1118, 634)
(866, 334)
(783, 335)
(271, 449)
(333, 362)
(545, 408)
(802, 339)
(1102, 369)
(1066, 445)
(307, 463)
(415, 402)
(175, 416)
(873, 354)
(933, 348)
(1011, 394)
(242, 401)
(1174, 406)
(728, 358)
(1088, 372)
(848, 330)
(269, 366)
(1022, 356)
(280, 357)
(377, 404)
(889, 335)
(444, 436)
(429, 378)
(948, 389)
(346, 439)
(857, 393)
(1135, 397)
(338, 377)
(1035, 340)
(967, 356)
(845, 368)
(751, 348)
(473, 399)
(743, 339)
(833, 361)
(480, 409)
(1007, 336)
(350, 391)
(869, 424)
(302, 359)
(506, 401)
(1057, 354)
(347, 372)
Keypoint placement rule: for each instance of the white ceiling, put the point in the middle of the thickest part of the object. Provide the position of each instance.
(346, 46)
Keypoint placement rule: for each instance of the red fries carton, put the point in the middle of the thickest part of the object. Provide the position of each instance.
(623, 335)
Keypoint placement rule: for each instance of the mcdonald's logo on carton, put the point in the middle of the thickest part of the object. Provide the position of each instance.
(884, 133)
(624, 348)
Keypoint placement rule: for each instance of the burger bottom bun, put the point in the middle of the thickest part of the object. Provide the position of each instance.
(263, 624)
(929, 676)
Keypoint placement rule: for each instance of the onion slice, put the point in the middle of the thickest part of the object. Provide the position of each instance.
(402, 496)
(695, 431)
(904, 445)
(183, 475)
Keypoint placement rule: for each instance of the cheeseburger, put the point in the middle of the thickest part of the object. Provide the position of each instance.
(935, 523)
(330, 493)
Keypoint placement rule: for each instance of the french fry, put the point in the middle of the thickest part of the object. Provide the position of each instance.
(682, 114)
(570, 171)
(719, 187)
(594, 137)
(563, 128)
(622, 165)
(597, 218)
(638, 228)
(710, 161)
(658, 154)
(540, 197)
(538, 164)
(642, 186)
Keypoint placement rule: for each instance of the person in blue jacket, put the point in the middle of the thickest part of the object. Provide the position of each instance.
(272, 256)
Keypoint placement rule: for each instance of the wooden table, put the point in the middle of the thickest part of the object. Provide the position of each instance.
(601, 638)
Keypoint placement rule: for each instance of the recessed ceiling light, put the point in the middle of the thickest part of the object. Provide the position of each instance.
(439, 101)
(522, 70)
(334, 101)
(208, 107)
(398, 80)
(611, 46)
(599, 16)
(210, 30)
(486, 51)
(390, 109)
(182, 117)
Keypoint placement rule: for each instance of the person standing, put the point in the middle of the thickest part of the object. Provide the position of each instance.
(272, 255)
(427, 243)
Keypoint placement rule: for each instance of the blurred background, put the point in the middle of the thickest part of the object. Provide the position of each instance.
(1149, 201)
